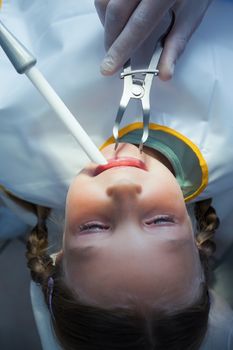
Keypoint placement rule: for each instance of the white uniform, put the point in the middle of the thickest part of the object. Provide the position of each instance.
(39, 157)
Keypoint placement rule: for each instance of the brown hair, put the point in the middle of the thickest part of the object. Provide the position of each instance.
(86, 327)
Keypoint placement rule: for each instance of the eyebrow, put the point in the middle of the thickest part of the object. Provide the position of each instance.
(177, 243)
(84, 253)
(90, 251)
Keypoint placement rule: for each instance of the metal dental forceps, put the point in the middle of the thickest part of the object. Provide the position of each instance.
(138, 87)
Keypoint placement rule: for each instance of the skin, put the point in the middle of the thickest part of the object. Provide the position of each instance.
(128, 236)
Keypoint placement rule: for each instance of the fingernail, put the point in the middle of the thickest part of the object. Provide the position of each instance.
(107, 65)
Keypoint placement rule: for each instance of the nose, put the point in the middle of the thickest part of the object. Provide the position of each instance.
(123, 189)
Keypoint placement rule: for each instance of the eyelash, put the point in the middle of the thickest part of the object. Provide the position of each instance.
(160, 220)
(93, 227)
(98, 227)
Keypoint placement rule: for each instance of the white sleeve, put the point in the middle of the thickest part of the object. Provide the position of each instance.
(220, 326)
(42, 318)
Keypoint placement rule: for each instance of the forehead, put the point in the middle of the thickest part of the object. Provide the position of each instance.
(110, 276)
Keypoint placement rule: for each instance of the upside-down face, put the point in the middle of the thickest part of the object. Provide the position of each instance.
(128, 234)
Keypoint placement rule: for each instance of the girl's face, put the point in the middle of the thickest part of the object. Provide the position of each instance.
(128, 235)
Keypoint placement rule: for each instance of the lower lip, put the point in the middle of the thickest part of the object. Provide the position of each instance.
(118, 162)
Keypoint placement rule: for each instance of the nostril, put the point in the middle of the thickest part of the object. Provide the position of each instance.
(124, 187)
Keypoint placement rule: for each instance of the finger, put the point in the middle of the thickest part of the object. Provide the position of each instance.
(101, 6)
(188, 19)
(173, 48)
(118, 13)
(139, 26)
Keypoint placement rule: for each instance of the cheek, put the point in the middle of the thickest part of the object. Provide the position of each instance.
(167, 195)
(78, 193)
(77, 197)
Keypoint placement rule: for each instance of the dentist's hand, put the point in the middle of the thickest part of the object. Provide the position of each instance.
(128, 23)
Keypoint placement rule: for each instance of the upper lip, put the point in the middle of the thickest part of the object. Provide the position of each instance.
(121, 161)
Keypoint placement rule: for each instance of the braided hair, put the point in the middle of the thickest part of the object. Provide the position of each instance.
(207, 224)
(38, 261)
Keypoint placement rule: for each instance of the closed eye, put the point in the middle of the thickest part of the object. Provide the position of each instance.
(93, 227)
(160, 220)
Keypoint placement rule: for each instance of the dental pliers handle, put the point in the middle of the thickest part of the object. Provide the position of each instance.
(137, 85)
(126, 96)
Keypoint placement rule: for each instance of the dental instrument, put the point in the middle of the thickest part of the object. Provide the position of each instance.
(137, 85)
(24, 63)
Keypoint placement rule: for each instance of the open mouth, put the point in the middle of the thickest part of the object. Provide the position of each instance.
(119, 162)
